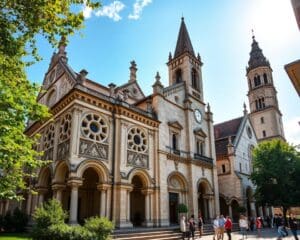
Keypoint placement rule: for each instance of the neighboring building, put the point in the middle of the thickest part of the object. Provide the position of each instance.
(121, 154)
(265, 115)
(293, 71)
(293, 68)
(235, 140)
(296, 7)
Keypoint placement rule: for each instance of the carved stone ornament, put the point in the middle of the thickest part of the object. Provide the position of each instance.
(93, 149)
(137, 159)
(48, 154)
(63, 150)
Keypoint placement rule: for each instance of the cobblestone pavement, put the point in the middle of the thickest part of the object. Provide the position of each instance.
(266, 234)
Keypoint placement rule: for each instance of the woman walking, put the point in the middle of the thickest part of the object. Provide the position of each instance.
(243, 223)
(228, 227)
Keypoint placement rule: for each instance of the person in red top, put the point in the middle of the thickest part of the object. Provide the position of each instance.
(258, 226)
(228, 227)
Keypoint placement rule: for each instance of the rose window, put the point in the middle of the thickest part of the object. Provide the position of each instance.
(48, 138)
(137, 140)
(65, 128)
(94, 127)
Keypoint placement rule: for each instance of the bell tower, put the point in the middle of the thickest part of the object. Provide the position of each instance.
(184, 66)
(265, 115)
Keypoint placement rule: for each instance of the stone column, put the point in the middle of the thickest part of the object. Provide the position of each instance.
(41, 191)
(75, 133)
(128, 205)
(28, 203)
(103, 198)
(252, 207)
(58, 190)
(34, 203)
(260, 212)
(230, 210)
(74, 184)
(148, 221)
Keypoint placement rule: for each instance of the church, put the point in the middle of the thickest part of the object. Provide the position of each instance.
(120, 154)
(133, 158)
(236, 138)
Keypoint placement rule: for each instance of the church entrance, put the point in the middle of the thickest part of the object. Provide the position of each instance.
(235, 211)
(223, 207)
(137, 202)
(173, 205)
(203, 202)
(89, 196)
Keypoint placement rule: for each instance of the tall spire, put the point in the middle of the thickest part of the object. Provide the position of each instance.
(184, 43)
(257, 58)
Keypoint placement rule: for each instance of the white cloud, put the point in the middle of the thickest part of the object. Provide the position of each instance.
(292, 130)
(87, 11)
(138, 8)
(111, 11)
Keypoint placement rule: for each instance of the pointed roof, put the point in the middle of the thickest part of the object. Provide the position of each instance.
(184, 43)
(257, 58)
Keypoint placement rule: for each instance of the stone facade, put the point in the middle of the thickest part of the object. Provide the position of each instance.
(235, 140)
(118, 153)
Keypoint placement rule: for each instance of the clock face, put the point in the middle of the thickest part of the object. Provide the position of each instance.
(198, 115)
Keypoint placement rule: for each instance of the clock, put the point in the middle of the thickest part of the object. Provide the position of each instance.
(198, 115)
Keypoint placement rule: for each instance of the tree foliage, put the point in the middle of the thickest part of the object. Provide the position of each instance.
(20, 23)
(276, 174)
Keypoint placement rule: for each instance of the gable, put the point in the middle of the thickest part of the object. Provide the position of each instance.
(200, 132)
(130, 90)
(175, 124)
(58, 81)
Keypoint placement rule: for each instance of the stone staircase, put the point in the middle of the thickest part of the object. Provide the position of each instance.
(168, 233)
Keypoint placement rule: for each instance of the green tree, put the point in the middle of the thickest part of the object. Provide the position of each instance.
(20, 23)
(276, 174)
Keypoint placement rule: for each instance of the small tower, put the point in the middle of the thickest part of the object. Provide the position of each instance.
(264, 110)
(184, 66)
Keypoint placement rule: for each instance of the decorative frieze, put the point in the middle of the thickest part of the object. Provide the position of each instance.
(137, 159)
(93, 150)
(63, 150)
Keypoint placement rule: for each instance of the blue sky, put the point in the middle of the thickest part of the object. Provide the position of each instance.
(146, 31)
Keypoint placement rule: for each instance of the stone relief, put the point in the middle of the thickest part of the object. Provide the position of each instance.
(175, 183)
(93, 149)
(48, 154)
(137, 159)
(63, 150)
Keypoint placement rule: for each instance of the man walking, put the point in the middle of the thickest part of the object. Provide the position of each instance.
(228, 227)
(293, 225)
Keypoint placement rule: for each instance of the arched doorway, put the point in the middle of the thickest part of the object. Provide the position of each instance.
(249, 197)
(203, 201)
(223, 206)
(89, 196)
(235, 210)
(137, 202)
(62, 192)
(177, 195)
(44, 185)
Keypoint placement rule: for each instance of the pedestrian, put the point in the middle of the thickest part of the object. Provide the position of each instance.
(200, 225)
(293, 225)
(216, 228)
(252, 223)
(183, 227)
(221, 227)
(281, 228)
(228, 227)
(192, 227)
(243, 223)
(258, 226)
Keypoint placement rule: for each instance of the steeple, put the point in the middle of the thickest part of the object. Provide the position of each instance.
(184, 43)
(257, 58)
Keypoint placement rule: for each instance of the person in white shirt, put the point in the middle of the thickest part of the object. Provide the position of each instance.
(183, 227)
(216, 228)
(243, 223)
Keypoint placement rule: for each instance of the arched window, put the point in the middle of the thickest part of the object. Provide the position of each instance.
(265, 78)
(178, 75)
(194, 78)
(257, 81)
(260, 103)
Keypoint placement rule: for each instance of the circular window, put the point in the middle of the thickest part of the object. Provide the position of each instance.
(249, 132)
(65, 127)
(49, 137)
(137, 140)
(94, 127)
